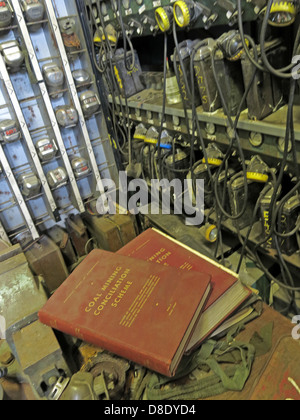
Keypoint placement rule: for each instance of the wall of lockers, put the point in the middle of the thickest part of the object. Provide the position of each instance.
(54, 144)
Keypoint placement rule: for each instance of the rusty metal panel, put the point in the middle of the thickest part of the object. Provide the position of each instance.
(21, 294)
(21, 297)
(46, 260)
(46, 364)
(111, 232)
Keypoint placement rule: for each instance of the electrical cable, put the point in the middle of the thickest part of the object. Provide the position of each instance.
(104, 48)
(278, 213)
(234, 137)
(244, 37)
(220, 197)
(195, 120)
(283, 265)
(261, 196)
(164, 101)
(190, 93)
(289, 281)
(244, 242)
(272, 278)
(202, 147)
(291, 233)
(294, 150)
(141, 159)
(194, 112)
(114, 87)
(229, 151)
(127, 127)
(125, 40)
(264, 57)
(284, 269)
(177, 53)
(283, 165)
(254, 61)
(225, 162)
(219, 243)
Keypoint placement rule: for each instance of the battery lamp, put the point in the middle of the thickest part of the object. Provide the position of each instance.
(187, 12)
(258, 170)
(183, 13)
(111, 34)
(164, 18)
(211, 233)
(283, 13)
(214, 156)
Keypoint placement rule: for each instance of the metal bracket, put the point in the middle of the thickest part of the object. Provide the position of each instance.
(3, 235)
(18, 195)
(55, 27)
(24, 128)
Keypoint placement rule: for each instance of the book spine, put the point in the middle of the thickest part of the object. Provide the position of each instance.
(118, 348)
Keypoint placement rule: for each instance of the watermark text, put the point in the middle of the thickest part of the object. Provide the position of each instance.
(180, 197)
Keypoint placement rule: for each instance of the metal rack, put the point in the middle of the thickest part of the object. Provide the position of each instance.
(146, 107)
(55, 27)
(29, 100)
(47, 101)
(26, 134)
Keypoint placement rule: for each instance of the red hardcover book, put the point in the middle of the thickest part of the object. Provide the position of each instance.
(140, 311)
(228, 292)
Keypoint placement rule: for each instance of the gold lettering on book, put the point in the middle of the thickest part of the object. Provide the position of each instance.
(139, 302)
(105, 295)
(186, 266)
(111, 278)
(171, 308)
(121, 294)
(160, 256)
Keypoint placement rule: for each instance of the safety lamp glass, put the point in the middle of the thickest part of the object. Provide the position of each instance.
(182, 13)
(283, 13)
